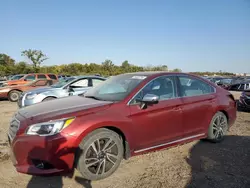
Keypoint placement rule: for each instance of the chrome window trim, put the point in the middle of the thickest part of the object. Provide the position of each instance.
(168, 143)
(177, 97)
(128, 103)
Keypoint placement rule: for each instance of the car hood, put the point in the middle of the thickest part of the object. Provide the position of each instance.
(41, 90)
(53, 109)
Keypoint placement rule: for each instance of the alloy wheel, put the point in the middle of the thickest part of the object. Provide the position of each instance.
(101, 156)
(219, 127)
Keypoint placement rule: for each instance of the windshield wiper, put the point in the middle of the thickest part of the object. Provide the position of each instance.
(93, 97)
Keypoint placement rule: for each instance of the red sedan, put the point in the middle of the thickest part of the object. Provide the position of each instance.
(126, 115)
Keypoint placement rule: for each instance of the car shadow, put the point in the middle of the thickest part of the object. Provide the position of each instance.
(225, 164)
(53, 180)
(3, 99)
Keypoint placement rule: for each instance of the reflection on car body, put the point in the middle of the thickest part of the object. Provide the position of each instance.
(69, 86)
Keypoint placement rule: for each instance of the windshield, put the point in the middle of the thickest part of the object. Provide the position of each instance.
(16, 77)
(62, 83)
(115, 88)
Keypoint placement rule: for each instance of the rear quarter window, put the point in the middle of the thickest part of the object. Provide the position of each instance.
(52, 76)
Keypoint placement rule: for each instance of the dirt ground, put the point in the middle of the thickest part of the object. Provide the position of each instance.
(198, 164)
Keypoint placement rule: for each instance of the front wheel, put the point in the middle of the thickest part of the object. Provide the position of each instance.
(100, 154)
(218, 127)
(14, 96)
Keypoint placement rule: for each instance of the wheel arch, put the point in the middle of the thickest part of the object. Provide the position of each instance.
(127, 152)
(19, 90)
(49, 97)
(225, 113)
(126, 146)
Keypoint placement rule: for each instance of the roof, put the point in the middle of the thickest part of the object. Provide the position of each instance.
(157, 73)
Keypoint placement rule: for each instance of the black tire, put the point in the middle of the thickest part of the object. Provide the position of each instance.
(13, 95)
(49, 99)
(102, 163)
(218, 127)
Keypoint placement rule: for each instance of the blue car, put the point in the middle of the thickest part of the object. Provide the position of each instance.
(70, 86)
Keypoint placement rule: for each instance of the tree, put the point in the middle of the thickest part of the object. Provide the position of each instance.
(6, 60)
(176, 70)
(108, 67)
(36, 56)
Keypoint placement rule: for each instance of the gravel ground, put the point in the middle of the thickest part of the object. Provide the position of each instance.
(198, 164)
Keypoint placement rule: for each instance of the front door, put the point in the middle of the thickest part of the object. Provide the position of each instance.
(198, 99)
(158, 123)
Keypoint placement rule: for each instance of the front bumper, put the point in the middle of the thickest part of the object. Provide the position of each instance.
(37, 155)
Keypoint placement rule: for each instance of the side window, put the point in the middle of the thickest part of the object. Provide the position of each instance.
(193, 87)
(41, 83)
(81, 83)
(164, 87)
(30, 77)
(52, 76)
(96, 81)
(41, 76)
(242, 87)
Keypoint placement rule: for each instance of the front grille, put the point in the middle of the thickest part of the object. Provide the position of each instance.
(14, 126)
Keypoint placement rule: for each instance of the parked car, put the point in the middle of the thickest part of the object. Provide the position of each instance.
(62, 76)
(244, 101)
(215, 79)
(239, 87)
(13, 92)
(31, 77)
(64, 88)
(15, 77)
(127, 115)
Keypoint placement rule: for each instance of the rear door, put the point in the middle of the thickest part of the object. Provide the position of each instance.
(198, 103)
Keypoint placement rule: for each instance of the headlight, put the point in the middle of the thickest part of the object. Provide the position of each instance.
(49, 128)
(31, 96)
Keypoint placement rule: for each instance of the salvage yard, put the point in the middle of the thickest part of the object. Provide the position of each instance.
(197, 164)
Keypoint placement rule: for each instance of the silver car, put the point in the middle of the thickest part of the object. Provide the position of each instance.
(64, 88)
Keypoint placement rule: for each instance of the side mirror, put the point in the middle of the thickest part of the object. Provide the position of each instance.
(148, 99)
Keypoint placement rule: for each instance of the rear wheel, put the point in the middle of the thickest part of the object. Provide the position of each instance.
(100, 154)
(14, 95)
(218, 127)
